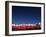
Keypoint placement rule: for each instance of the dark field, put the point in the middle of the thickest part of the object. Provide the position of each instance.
(17, 28)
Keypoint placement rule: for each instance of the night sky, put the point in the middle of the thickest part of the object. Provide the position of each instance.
(26, 15)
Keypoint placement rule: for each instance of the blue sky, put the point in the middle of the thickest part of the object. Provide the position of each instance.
(26, 15)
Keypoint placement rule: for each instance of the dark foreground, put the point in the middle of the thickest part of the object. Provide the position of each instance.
(17, 28)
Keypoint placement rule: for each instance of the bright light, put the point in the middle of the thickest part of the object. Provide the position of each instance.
(39, 22)
(13, 24)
